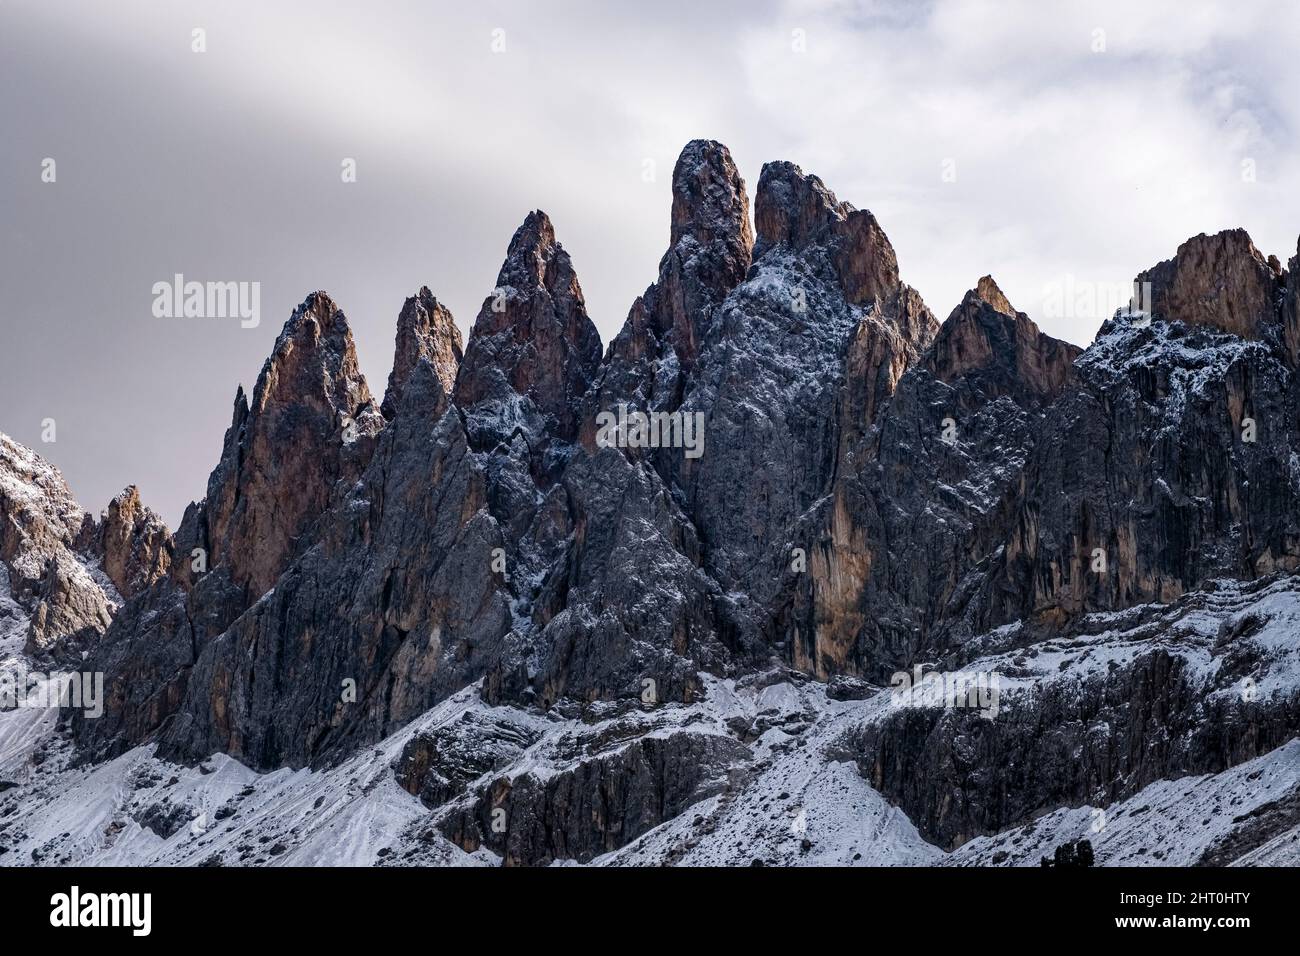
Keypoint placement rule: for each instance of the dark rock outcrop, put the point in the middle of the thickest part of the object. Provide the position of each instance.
(392, 607)
(1090, 736)
(532, 354)
(601, 804)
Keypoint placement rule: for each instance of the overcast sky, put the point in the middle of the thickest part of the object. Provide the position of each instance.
(1045, 143)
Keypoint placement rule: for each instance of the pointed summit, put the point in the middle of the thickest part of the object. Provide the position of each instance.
(314, 361)
(999, 350)
(312, 421)
(131, 542)
(533, 351)
(425, 329)
(710, 249)
(988, 291)
(792, 206)
(532, 250)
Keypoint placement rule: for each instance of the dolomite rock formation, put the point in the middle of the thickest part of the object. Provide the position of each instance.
(309, 430)
(131, 542)
(425, 330)
(660, 633)
(532, 352)
(709, 252)
(1221, 281)
(67, 609)
(311, 422)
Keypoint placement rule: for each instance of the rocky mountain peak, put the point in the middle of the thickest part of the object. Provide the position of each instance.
(709, 200)
(314, 361)
(131, 542)
(794, 209)
(987, 290)
(312, 421)
(710, 250)
(533, 350)
(871, 498)
(792, 206)
(532, 251)
(1221, 281)
(39, 567)
(985, 336)
(425, 330)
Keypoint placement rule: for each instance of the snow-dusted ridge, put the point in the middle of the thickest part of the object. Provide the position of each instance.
(794, 796)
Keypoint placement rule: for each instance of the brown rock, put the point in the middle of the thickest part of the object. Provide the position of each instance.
(796, 209)
(311, 422)
(425, 329)
(131, 542)
(1221, 281)
(985, 333)
(533, 351)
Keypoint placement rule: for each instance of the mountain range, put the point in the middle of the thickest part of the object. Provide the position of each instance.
(456, 625)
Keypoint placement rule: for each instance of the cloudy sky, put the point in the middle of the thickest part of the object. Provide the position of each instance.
(1057, 146)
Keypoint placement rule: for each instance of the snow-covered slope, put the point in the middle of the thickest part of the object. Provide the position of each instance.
(789, 791)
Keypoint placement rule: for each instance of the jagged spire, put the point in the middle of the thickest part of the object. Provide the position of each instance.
(988, 291)
(310, 423)
(986, 337)
(425, 329)
(131, 542)
(709, 201)
(710, 250)
(533, 350)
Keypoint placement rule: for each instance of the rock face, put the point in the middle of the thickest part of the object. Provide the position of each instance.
(67, 608)
(1221, 281)
(425, 330)
(600, 805)
(131, 542)
(861, 491)
(311, 426)
(920, 495)
(1098, 716)
(800, 356)
(709, 252)
(532, 353)
(1291, 311)
(311, 423)
(392, 607)
(979, 345)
